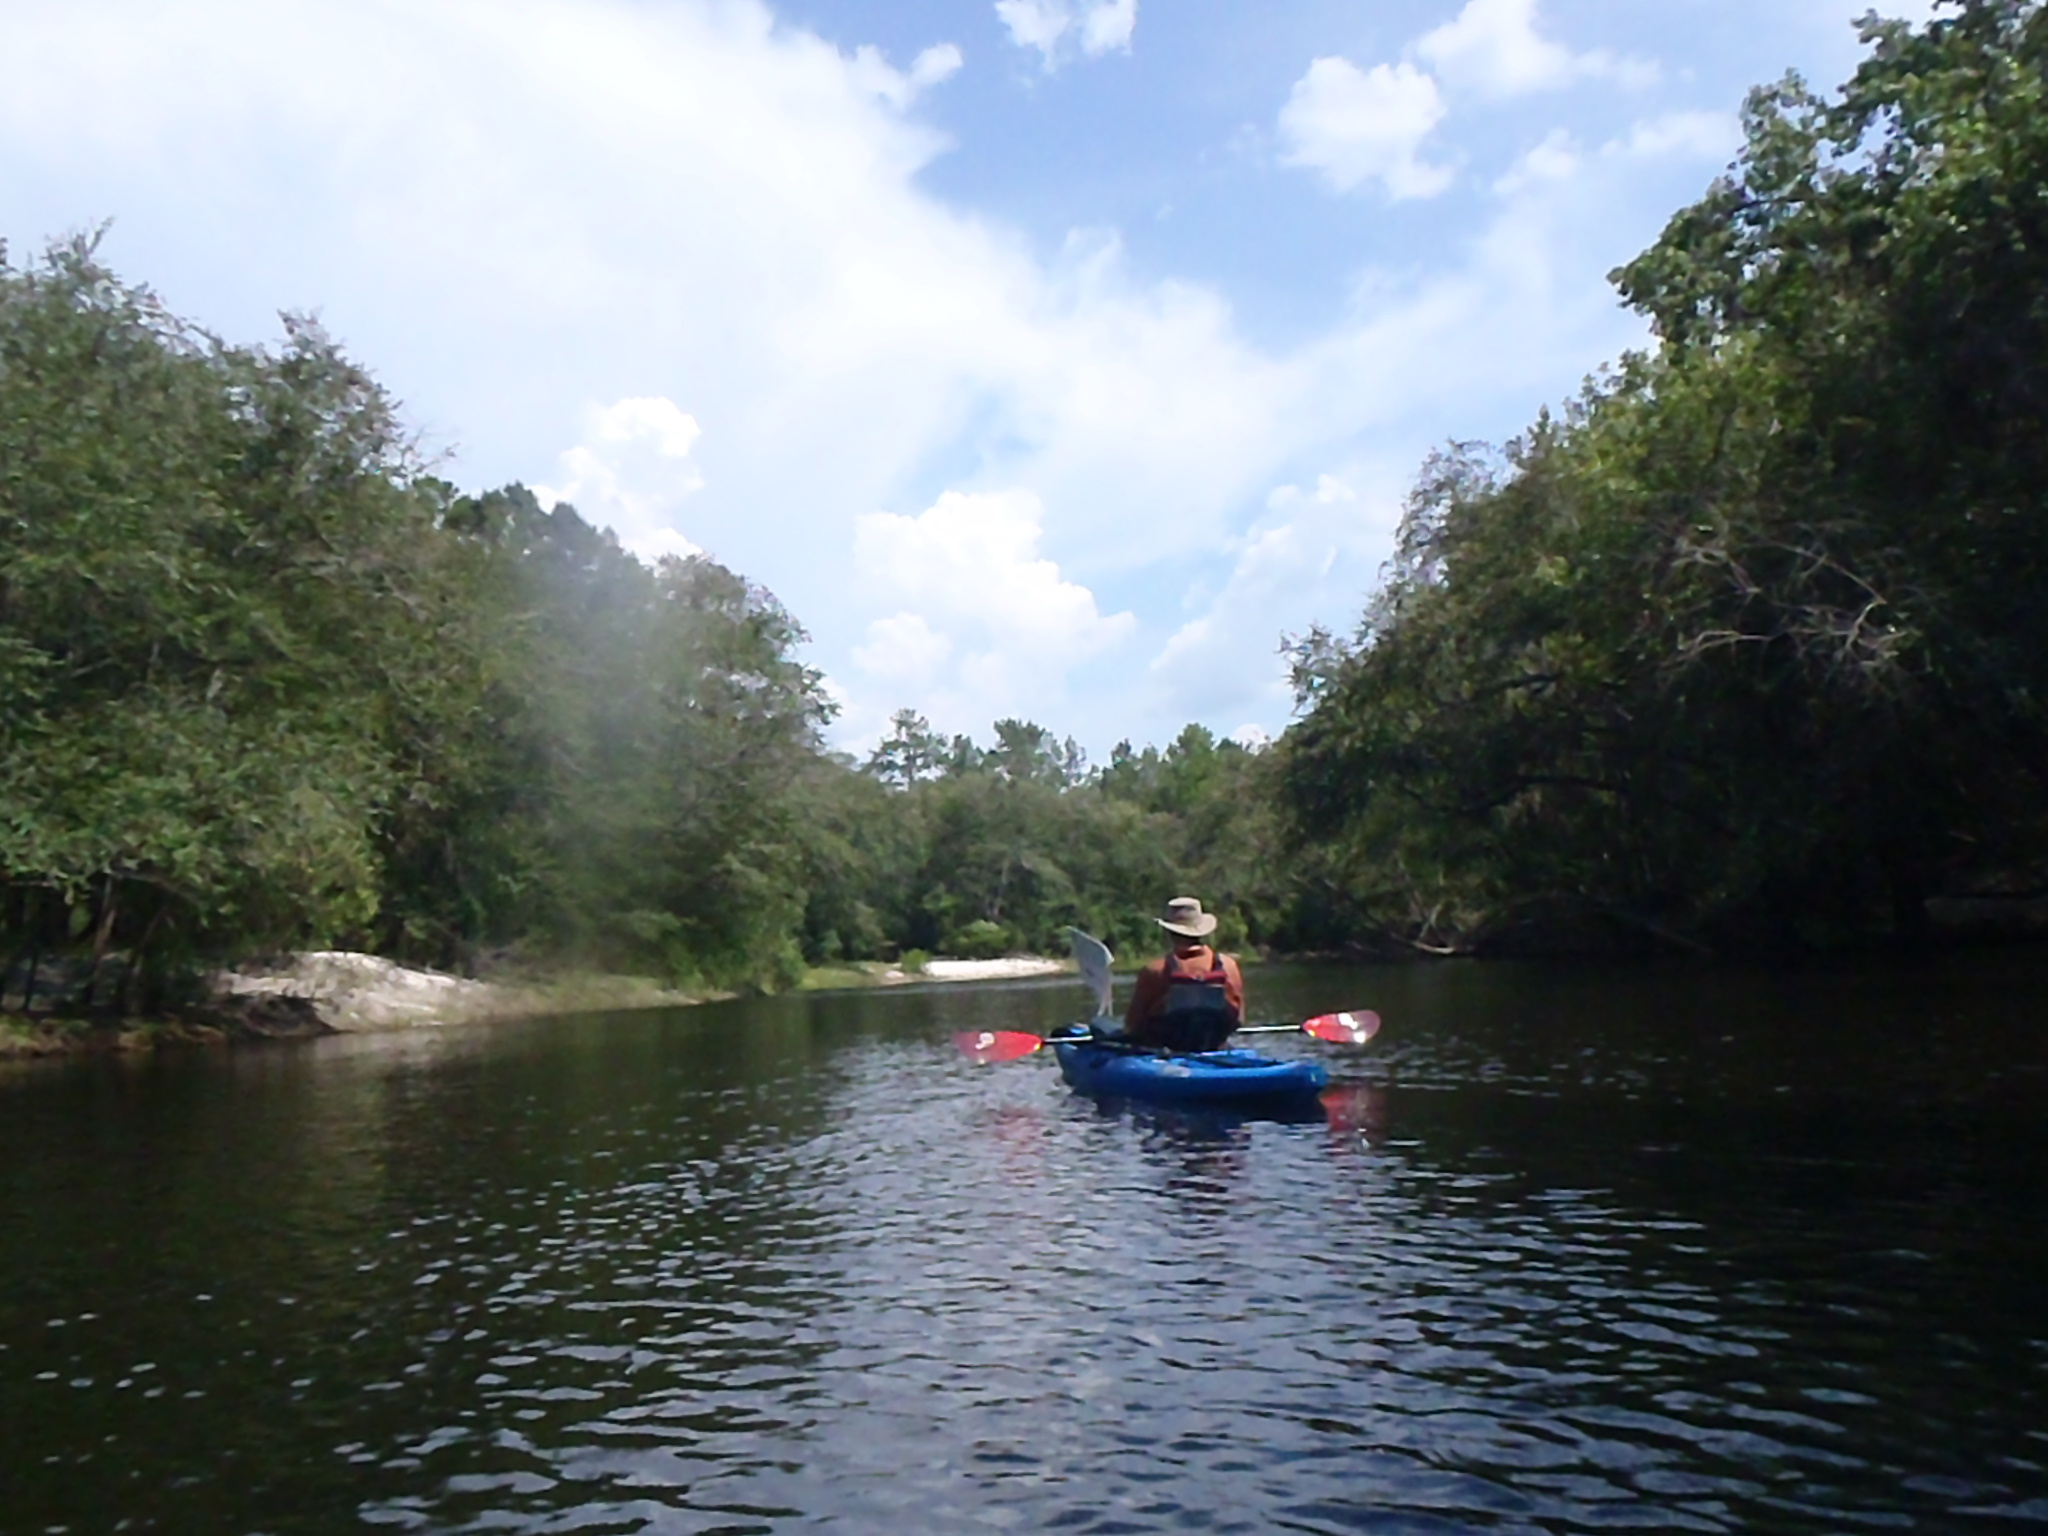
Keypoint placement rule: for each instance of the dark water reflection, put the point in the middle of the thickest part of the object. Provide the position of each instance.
(1657, 1249)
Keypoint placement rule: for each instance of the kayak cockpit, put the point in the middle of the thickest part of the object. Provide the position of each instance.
(1100, 1061)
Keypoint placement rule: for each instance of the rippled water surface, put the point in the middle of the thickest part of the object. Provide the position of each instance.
(1565, 1251)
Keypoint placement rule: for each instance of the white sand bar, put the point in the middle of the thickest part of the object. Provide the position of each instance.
(352, 993)
(992, 970)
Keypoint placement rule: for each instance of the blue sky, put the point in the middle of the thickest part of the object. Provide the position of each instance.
(1049, 358)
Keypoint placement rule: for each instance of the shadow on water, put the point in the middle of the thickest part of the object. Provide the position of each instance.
(1565, 1250)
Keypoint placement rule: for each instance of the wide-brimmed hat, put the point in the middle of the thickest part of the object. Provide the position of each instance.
(1184, 916)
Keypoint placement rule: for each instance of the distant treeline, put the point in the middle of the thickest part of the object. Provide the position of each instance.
(1747, 648)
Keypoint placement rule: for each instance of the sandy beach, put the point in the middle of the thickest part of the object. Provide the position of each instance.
(354, 993)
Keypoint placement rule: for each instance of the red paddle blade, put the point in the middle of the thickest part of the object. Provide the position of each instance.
(1344, 1028)
(992, 1045)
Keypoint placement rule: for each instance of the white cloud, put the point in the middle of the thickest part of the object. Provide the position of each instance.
(1206, 647)
(1358, 125)
(1493, 43)
(1095, 26)
(1493, 47)
(978, 598)
(1107, 26)
(631, 472)
(901, 88)
(1329, 491)
(1555, 159)
(903, 651)
(939, 62)
(651, 419)
(1036, 24)
(1326, 539)
(1698, 135)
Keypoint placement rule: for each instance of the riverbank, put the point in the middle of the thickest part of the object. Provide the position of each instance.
(879, 973)
(328, 992)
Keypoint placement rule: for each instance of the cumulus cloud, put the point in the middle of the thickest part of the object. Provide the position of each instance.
(901, 88)
(1359, 126)
(1493, 47)
(1095, 27)
(1107, 26)
(905, 653)
(988, 626)
(1698, 135)
(1356, 126)
(631, 472)
(1555, 159)
(1328, 491)
(939, 62)
(1704, 136)
(1301, 539)
(1316, 539)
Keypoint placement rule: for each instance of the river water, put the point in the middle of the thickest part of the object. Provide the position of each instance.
(1567, 1250)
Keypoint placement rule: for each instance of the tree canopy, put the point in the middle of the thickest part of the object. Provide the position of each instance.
(266, 682)
(1747, 646)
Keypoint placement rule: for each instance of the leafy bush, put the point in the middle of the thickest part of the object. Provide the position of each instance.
(981, 940)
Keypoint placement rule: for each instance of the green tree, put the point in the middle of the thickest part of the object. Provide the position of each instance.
(911, 753)
(1747, 648)
(1028, 753)
(217, 621)
(646, 735)
(265, 683)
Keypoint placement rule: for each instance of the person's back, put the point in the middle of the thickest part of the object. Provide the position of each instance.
(1192, 999)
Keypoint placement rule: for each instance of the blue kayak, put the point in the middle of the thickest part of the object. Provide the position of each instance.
(1206, 1077)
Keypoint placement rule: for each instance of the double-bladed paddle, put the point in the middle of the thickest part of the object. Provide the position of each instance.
(993, 1045)
(1093, 958)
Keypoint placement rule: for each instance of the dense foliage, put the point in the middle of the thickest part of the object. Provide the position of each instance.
(216, 622)
(266, 683)
(1751, 647)
(944, 847)
(619, 786)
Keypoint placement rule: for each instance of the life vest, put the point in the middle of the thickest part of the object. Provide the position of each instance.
(1196, 1013)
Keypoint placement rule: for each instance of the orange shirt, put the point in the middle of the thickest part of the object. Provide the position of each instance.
(1149, 997)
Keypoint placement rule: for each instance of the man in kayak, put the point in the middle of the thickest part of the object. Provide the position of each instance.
(1193, 998)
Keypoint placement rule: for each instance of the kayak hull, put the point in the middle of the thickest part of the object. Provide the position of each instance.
(1207, 1077)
